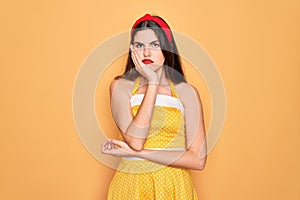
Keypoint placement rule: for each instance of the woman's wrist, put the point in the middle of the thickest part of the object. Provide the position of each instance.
(134, 153)
(153, 81)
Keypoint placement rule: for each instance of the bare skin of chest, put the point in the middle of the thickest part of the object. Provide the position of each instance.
(161, 90)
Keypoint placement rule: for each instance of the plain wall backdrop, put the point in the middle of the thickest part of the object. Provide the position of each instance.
(255, 45)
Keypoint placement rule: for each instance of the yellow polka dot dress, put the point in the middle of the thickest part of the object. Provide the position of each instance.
(140, 179)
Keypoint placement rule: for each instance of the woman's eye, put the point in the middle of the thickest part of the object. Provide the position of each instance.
(156, 45)
(138, 45)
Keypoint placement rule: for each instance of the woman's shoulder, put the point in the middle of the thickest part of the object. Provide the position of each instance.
(185, 87)
(185, 91)
(122, 83)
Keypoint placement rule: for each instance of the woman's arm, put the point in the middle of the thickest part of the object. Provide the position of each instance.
(134, 130)
(196, 154)
(189, 159)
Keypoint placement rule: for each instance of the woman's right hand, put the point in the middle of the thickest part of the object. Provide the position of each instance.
(142, 68)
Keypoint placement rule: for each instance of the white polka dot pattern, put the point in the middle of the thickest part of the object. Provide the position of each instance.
(146, 180)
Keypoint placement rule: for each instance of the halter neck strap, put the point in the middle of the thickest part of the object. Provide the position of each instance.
(136, 86)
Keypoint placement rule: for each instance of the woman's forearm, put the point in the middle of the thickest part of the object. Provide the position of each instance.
(137, 132)
(184, 159)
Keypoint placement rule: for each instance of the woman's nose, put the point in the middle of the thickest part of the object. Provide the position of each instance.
(147, 52)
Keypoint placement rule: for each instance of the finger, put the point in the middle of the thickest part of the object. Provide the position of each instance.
(133, 58)
(117, 142)
(102, 148)
(106, 145)
(136, 64)
(137, 58)
(109, 145)
(112, 146)
(132, 51)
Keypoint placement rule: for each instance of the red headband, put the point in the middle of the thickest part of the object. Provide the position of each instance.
(160, 22)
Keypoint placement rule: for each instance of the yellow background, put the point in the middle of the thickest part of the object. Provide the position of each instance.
(255, 44)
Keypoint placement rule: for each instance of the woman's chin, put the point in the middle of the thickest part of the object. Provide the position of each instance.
(155, 67)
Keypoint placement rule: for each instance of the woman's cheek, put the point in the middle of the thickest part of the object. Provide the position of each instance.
(160, 58)
(140, 54)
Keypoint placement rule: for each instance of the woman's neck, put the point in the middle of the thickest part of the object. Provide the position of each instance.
(162, 78)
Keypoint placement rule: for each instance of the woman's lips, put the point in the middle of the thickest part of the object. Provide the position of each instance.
(147, 61)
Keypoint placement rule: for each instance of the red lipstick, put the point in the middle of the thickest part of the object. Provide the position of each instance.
(147, 61)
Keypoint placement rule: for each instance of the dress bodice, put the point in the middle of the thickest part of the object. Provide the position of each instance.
(167, 128)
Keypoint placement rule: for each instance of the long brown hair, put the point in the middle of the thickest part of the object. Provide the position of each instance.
(172, 64)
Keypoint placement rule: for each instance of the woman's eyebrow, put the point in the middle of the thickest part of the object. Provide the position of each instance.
(150, 42)
(154, 41)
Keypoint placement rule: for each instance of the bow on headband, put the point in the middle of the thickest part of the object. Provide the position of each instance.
(160, 22)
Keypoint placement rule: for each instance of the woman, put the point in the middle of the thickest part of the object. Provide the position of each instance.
(160, 118)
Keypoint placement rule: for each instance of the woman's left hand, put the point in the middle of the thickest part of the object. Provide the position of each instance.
(117, 148)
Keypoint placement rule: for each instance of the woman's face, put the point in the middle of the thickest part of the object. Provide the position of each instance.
(147, 46)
